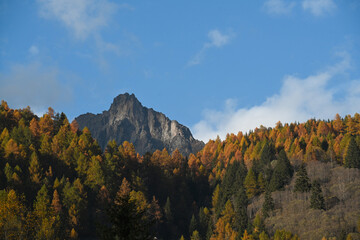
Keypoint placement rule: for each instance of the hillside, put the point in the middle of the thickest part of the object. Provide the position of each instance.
(148, 130)
(294, 181)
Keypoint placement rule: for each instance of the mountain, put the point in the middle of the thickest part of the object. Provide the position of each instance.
(128, 120)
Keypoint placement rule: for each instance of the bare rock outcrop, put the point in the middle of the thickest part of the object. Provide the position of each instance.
(128, 120)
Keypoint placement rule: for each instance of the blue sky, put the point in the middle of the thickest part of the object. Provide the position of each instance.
(213, 67)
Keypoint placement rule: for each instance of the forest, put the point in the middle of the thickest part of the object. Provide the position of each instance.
(293, 181)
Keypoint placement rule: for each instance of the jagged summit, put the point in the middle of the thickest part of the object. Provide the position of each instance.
(128, 120)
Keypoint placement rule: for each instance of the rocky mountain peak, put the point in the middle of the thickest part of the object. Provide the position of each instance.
(128, 120)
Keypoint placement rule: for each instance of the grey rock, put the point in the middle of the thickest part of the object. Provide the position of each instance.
(128, 120)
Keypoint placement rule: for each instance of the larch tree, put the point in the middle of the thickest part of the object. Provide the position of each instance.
(250, 184)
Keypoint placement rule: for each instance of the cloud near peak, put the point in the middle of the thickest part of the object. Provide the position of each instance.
(299, 99)
(217, 40)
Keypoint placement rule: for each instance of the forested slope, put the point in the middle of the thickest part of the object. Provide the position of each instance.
(58, 184)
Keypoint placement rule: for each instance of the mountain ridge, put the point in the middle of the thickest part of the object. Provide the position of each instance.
(128, 120)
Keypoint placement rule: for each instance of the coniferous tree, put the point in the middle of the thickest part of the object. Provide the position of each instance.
(34, 169)
(316, 199)
(240, 208)
(268, 205)
(250, 184)
(195, 235)
(302, 183)
(263, 236)
(193, 225)
(127, 222)
(167, 210)
(282, 173)
(352, 157)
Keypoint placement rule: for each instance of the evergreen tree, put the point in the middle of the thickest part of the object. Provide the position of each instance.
(282, 173)
(352, 157)
(261, 183)
(233, 179)
(127, 222)
(316, 199)
(240, 208)
(193, 224)
(302, 183)
(268, 205)
(167, 210)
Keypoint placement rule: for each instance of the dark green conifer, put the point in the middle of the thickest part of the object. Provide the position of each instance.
(302, 183)
(352, 157)
(167, 210)
(282, 173)
(268, 205)
(317, 199)
(193, 225)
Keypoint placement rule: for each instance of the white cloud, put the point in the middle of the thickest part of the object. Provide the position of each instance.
(318, 7)
(279, 6)
(33, 85)
(298, 100)
(82, 17)
(217, 39)
(34, 50)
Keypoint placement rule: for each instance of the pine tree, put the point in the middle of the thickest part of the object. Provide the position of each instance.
(268, 205)
(127, 221)
(167, 210)
(261, 183)
(316, 199)
(282, 173)
(352, 157)
(240, 208)
(302, 183)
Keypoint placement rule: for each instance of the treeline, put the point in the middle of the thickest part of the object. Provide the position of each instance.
(58, 184)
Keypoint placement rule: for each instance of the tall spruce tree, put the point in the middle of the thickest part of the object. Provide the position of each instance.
(282, 173)
(302, 183)
(268, 205)
(316, 199)
(352, 157)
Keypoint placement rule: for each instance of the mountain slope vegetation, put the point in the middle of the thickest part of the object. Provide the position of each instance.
(293, 181)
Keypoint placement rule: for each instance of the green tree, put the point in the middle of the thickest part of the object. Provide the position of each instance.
(250, 184)
(302, 183)
(167, 210)
(240, 208)
(268, 204)
(352, 156)
(263, 236)
(127, 222)
(316, 199)
(95, 176)
(282, 173)
(193, 225)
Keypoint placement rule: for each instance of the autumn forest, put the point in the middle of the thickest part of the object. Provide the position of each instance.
(293, 181)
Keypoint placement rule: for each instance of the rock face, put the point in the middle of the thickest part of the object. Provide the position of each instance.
(148, 130)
